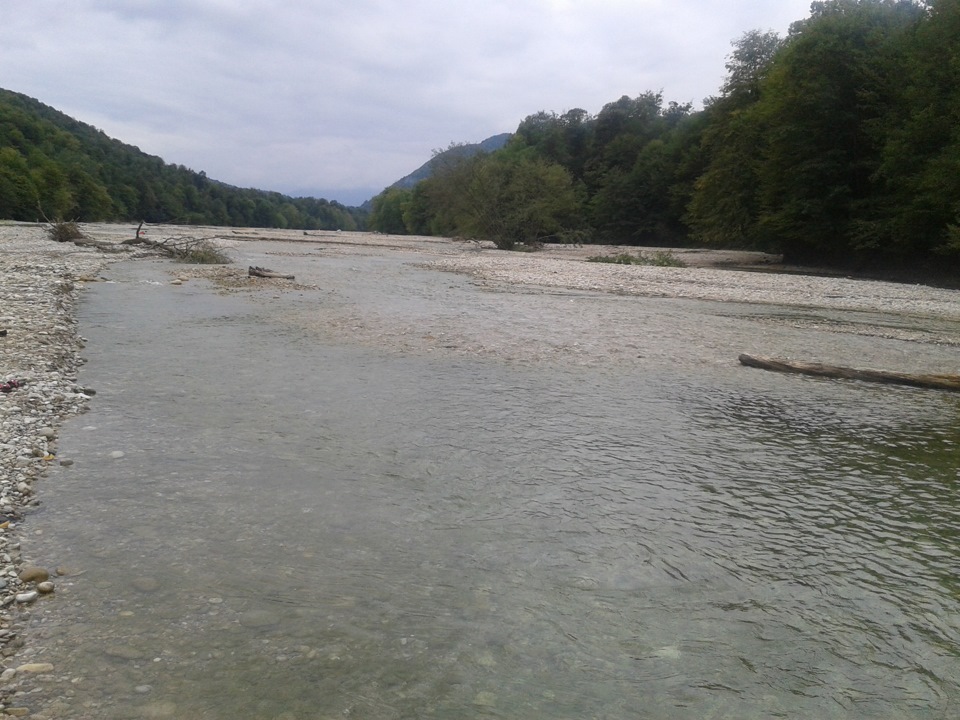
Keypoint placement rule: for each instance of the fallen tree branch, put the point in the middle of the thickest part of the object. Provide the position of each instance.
(936, 382)
(63, 231)
(265, 273)
(184, 248)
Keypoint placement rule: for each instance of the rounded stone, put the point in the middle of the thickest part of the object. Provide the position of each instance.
(36, 668)
(45, 587)
(27, 597)
(31, 573)
(145, 584)
(258, 619)
(117, 454)
(124, 652)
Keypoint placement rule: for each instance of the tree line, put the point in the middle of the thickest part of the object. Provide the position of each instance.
(56, 167)
(837, 144)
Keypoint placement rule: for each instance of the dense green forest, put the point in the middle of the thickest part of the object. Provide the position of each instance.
(54, 166)
(837, 144)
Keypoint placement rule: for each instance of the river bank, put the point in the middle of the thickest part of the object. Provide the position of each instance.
(40, 282)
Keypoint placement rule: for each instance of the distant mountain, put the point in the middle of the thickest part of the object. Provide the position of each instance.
(489, 145)
(54, 166)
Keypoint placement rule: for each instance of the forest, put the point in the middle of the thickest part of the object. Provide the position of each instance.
(52, 166)
(837, 145)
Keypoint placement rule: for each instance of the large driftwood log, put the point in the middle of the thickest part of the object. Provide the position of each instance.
(265, 273)
(937, 382)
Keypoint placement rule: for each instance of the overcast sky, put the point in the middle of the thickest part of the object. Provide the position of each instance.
(339, 98)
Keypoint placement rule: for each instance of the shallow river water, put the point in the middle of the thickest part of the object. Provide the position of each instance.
(304, 526)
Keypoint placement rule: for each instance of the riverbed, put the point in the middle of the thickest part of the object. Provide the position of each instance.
(397, 489)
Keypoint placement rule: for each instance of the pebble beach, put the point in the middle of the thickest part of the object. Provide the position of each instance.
(41, 283)
(39, 358)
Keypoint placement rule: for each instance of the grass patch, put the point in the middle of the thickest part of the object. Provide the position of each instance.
(659, 258)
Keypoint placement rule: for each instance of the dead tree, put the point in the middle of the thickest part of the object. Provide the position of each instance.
(936, 382)
(260, 272)
(184, 248)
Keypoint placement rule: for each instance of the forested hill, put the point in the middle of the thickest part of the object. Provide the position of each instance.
(838, 144)
(52, 165)
(460, 150)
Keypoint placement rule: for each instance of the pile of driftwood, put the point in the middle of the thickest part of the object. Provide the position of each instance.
(936, 382)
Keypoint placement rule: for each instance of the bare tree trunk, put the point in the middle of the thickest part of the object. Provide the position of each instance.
(936, 382)
(265, 273)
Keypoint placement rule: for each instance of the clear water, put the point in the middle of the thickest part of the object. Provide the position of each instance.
(307, 527)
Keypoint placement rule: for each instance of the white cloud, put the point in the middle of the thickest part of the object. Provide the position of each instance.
(351, 96)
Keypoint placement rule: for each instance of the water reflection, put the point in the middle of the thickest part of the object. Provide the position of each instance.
(307, 530)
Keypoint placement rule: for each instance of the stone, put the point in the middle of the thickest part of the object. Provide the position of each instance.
(35, 668)
(45, 587)
(27, 597)
(117, 454)
(32, 573)
(124, 652)
(145, 584)
(258, 619)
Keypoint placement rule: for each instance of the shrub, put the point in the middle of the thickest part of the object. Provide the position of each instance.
(660, 258)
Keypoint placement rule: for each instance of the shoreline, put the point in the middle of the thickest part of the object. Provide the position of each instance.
(39, 359)
(41, 281)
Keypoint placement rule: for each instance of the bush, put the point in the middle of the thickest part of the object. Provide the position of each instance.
(660, 258)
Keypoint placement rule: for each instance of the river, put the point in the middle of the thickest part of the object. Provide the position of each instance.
(267, 518)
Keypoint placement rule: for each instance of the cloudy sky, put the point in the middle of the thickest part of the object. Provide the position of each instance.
(339, 98)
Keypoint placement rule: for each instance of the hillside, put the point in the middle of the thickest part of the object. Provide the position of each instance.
(55, 166)
(491, 144)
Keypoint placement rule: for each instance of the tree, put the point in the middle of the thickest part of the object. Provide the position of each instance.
(18, 196)
(387, 215)
(918, 178)
(724, 204)
(821, 104)
(510, 197)
(749, 63)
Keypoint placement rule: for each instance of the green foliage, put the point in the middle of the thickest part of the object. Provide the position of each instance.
(74, 170)
(658, 258)
(513, 198)
(389, 208)
(824, 104)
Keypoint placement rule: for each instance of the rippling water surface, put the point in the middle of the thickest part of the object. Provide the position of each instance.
(310, 529)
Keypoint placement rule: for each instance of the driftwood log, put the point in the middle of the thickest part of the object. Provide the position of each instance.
(937, 382)
(265, 273)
